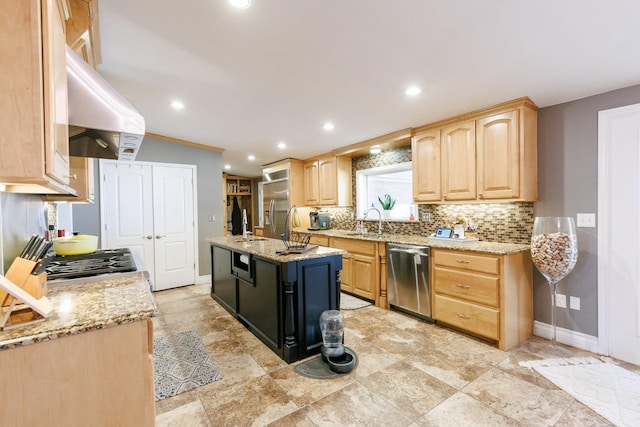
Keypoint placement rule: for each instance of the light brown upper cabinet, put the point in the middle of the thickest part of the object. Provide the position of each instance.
(484, 155)
(327, 181)
(459, 161)
(34, 142)
(83, 31)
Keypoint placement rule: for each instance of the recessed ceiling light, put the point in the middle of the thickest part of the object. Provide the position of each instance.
(282, 145)
(227, 167)
(375, 149)
(177, 105)
(251, 157)
(413, 91)
(240, 4)
(328, 126)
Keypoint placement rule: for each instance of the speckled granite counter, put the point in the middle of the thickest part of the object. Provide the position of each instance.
(268, 248)
(85, 306)
(477, 246)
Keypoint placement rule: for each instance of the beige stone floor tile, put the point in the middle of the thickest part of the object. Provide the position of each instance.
(258, 401)
(303, 390)
(371, 358)
(355, 405)
(235, 368)
(463, 410)
(173, 402)
(459, 362)
(579, 415)
(519, 399)
(189, 415)
(408, 389)
(298, 418)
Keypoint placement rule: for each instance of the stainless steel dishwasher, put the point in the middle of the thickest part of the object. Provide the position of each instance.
(408, 279)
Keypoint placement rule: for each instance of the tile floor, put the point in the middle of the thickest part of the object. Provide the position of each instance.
(410, 373)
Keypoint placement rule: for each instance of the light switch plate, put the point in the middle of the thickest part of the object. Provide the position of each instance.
(586, 220)
(561, 301)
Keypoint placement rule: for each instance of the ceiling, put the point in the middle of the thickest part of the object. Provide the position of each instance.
(277, 71)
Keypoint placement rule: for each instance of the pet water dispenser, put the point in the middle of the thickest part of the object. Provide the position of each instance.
(339, 358)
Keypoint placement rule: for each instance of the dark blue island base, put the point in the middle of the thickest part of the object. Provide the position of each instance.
(278, 298)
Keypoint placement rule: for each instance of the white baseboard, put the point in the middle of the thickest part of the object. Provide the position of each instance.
(566, 336)
(201, 280)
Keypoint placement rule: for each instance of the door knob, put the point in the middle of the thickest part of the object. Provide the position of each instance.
(160, 237)
(148, 237)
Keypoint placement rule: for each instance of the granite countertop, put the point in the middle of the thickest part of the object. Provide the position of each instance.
(85, 306)
(268, 248)
(471, 246)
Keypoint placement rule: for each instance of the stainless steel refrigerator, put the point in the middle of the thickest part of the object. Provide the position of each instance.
(275, 202)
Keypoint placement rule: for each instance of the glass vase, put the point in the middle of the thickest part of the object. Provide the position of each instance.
(554, 252)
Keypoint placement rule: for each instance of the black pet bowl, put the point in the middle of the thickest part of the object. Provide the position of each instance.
(331, 352)
(342, 364)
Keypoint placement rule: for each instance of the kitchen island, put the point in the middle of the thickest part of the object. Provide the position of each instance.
(278, 297)
(89, 362)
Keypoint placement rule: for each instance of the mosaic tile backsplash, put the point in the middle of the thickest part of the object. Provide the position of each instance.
(496, 222)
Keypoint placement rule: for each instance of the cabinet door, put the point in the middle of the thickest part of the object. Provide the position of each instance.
(425, 153)
(498, 156)
(223, 282)
(364, 277)
(311, 191)
(55, 91)
(328, 181)
(259, 304)
(345, 274)
(459, 161)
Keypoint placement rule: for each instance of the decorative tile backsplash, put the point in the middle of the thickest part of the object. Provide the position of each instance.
(497, 222)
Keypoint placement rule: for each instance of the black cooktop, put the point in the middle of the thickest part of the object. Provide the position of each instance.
(100, 262)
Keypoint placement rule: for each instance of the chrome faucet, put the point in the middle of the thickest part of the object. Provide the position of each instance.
(245, 233)
(379, 218)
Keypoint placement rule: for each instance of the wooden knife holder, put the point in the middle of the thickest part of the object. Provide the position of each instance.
(20, 273)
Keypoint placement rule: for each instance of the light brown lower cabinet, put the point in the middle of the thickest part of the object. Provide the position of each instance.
(101, 377)
(360, 267)
(486, 295)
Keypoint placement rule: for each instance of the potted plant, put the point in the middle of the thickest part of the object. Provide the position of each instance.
(387, 203)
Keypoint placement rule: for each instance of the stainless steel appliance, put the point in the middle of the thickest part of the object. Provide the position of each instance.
(408, 279)
(275, 202)
(314, 221)
(100, 262)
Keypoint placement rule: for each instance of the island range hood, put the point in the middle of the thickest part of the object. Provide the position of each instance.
(102, 124)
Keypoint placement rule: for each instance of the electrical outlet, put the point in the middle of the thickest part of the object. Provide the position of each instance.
(574, 303)
(586, 220)
(561, 301)
(426, 217)
(212, 218)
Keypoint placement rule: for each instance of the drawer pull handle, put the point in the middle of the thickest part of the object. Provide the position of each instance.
(463, 316)
(462, 261)
(460, 285)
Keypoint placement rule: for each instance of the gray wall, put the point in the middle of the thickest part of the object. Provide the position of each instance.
(567, 185)
(209, 175)
(22, 216)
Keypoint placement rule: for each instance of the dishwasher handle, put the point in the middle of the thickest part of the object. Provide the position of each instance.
(410, 251)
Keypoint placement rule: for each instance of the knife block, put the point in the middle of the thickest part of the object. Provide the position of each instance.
(20, 273)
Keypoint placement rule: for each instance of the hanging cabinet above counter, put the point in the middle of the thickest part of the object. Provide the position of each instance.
(486, 155)
(34, 140)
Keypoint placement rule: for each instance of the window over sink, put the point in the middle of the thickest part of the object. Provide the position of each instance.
(395, 180)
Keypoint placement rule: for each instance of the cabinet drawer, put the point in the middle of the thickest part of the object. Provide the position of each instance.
(352, 245)
(475, 287)
(319, 240)
(470, 317)
(475, 262)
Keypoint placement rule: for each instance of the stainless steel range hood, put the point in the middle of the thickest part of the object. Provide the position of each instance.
(102, 123)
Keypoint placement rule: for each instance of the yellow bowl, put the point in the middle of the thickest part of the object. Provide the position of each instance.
(75, 245)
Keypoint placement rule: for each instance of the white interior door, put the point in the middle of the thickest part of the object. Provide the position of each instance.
(127, 209)
(150, 208)
(619, 233)
(174, 226)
